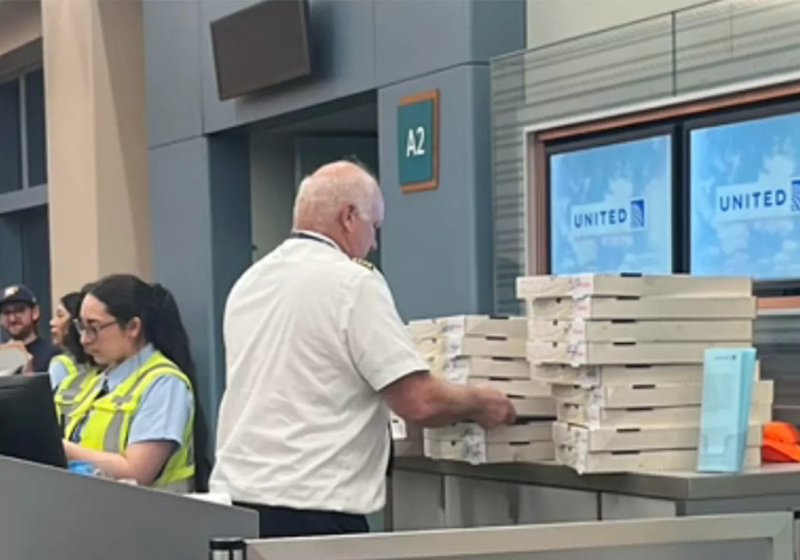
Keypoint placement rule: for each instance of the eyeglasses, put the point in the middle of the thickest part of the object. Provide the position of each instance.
(10, 310)
(90, 331)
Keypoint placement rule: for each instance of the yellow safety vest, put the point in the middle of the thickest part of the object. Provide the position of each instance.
(109, 420)
(74, 388)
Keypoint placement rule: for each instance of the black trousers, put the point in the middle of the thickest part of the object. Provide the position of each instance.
(277, 522)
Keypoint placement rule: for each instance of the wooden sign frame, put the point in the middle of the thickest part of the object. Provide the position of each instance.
(433, 183)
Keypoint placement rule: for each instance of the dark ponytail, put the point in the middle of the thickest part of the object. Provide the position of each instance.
(163, 328)
(126, 297)
(72, 341)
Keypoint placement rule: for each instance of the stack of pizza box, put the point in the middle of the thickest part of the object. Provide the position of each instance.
(623, 355)
(473, 349)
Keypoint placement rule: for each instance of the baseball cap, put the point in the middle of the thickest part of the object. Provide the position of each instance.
(17, 294)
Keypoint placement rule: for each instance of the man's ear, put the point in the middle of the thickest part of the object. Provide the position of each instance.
(347, 215)
(36, 313)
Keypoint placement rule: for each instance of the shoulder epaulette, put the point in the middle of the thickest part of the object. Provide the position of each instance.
(366, 264)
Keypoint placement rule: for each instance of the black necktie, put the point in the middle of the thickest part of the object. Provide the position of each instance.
(103, 390)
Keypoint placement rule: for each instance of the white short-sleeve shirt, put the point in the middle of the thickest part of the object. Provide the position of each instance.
(311, 337)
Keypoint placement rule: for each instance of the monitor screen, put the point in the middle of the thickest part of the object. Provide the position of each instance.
(744, 182)
(29, 429)
(261, 46)
(611, 208)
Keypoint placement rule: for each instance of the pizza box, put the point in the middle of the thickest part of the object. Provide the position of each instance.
(478, 454)
(628, 461)
(462, 369)
(534, 407)
(423, 328)
(581, 285)
(582, 331)
(624, 353)
(524, 432)
(482, 325)
(592, 416)
(656, 396)
(485, 346)
(652, 309)
(594, 376)
(516, 387)
(637, 439)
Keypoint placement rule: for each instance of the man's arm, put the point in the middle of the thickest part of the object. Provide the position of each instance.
(424, 400)
(387, 359)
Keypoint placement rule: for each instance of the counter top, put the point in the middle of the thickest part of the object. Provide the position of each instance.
(769, 479)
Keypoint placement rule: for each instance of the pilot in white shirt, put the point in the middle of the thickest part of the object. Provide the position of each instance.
(316, 356)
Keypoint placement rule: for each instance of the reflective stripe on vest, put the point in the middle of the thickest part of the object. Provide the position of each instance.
(74, 388)
(108, 420)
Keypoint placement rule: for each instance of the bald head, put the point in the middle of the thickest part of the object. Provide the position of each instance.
(337, 200)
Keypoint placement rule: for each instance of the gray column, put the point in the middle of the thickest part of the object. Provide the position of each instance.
(200, 212)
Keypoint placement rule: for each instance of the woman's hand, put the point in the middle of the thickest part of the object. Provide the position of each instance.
(141, 462)
(70, 450)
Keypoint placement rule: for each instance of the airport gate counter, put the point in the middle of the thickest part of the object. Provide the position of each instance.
(428, 494)
(766, 536)
(51, 513)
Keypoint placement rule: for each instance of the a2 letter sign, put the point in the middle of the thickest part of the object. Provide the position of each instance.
(418, 141)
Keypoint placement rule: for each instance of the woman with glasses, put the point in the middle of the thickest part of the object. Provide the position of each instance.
(137, 420)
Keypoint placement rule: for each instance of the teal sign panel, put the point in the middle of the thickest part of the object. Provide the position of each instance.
(418, 141)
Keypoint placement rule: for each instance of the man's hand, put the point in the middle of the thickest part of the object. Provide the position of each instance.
(495, 410)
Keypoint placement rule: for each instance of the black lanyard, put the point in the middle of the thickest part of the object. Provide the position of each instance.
(310, 237)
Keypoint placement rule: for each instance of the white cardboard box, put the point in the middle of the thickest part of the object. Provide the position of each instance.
(661, 460)
(534, 407)
(482, 325)
(490, 453)
(581, 331)
(580, 285)
(519, 433)
(593, 376)
(592, 416)
(637, 439)
(423, 328)
(460, 370)
(652, 309)
(656, 396)
(468, 325)
(479, 346)
(496, 347)
(623, 353)
(516, 387)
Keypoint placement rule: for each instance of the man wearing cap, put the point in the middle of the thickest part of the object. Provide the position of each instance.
(19, 315)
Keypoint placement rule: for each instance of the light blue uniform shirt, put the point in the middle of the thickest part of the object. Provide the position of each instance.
(57, 373)
(165, 408)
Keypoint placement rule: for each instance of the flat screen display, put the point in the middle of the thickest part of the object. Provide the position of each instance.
(611, 208)
(261, 46)
(745, 198)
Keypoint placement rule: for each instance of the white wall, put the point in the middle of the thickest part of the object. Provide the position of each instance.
(554, 20)
(272, 188)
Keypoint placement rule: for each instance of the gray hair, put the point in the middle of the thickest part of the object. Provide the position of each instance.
(323, 194)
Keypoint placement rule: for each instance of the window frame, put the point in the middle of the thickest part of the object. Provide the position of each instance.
(27, 196)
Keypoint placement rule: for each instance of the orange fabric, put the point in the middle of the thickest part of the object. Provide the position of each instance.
(781, 443)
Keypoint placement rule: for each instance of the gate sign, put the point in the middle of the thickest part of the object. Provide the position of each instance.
(418, 141)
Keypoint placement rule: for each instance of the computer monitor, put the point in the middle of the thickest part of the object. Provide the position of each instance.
(29, 428)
